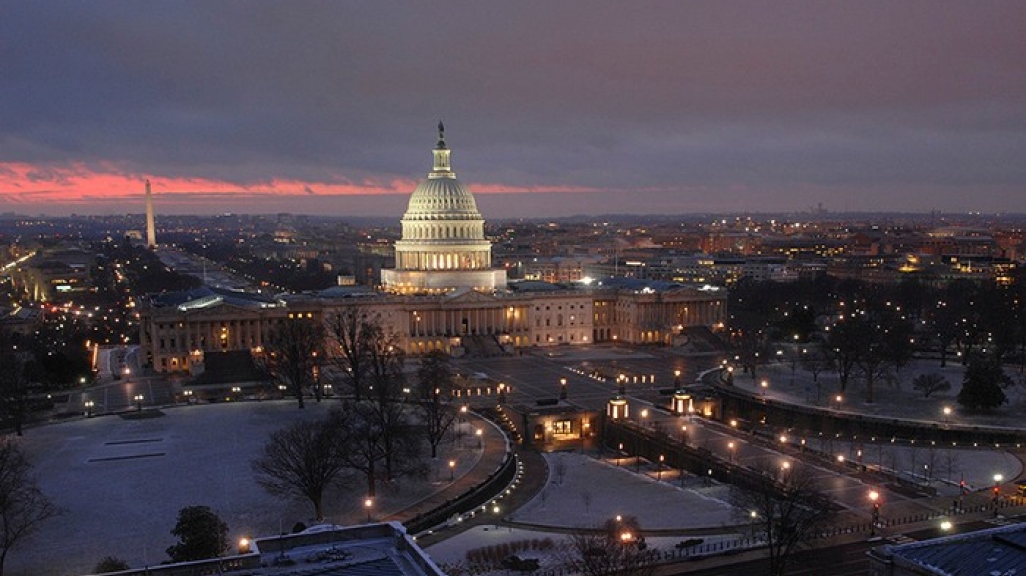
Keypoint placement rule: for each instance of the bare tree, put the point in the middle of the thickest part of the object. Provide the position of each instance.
(615, 547)
(389, 405)
(932, 461)
(13, 385)
(813, 361)
(361, 430)
(586, 498)
(23, 507)
(788, 507)
(291, 357)
(559, 468)
(930, 383)
(436, 408)
(351, 333)
(951, 463)
(302, 460)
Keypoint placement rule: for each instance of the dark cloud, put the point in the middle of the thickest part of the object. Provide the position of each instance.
(762, 105)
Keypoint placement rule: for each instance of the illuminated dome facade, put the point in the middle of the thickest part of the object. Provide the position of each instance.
(443, 246)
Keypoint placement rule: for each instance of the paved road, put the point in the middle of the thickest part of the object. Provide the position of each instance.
(537, 376)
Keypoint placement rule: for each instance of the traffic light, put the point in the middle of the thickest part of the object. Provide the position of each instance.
(963, 488)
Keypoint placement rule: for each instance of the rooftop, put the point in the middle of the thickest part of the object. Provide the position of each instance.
(998, 551)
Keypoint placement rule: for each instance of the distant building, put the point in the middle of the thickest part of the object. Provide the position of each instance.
(55, 275)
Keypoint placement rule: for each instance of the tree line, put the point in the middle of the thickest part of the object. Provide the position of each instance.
(871, 332)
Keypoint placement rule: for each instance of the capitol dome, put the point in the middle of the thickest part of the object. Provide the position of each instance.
(442, 197)
(443, 245)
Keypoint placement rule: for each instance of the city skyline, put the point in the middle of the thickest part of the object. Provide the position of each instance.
(551, 110)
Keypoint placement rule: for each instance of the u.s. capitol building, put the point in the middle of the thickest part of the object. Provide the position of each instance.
(443, 294)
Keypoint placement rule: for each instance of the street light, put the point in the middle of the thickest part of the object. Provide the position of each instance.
(562, 388)
(139, 400)
(89, 408)
(947, 412)
(618, 454)
(839, 399)
(684, 434)
(730, 451)
(659, 469)
(676, 379)
(367, 504)
(478, 433)
(452, 470)
(997, 492)
(874, 497)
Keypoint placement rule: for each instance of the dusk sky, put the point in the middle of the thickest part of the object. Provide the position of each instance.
(551, 108)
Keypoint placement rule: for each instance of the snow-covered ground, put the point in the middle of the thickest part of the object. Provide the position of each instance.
(893, 396)
(590, 492)
(582, 492)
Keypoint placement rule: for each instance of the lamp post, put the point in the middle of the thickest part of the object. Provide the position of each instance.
(367, 504)
(947, 413)
(138, 401)
(838, 399)
(659, 469)
(452, 470)
(89, 408)
(874, 499)
(478, 433)
(562, 388)
(730, 451)
(997, 492)
(644, 417)
(684, 435)
(618, 454)
(676, 379)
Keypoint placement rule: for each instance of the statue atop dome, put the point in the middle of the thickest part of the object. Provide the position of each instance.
(441, 136)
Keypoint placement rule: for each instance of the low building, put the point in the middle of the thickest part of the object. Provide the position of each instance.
(999, 551)
(383, 549)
